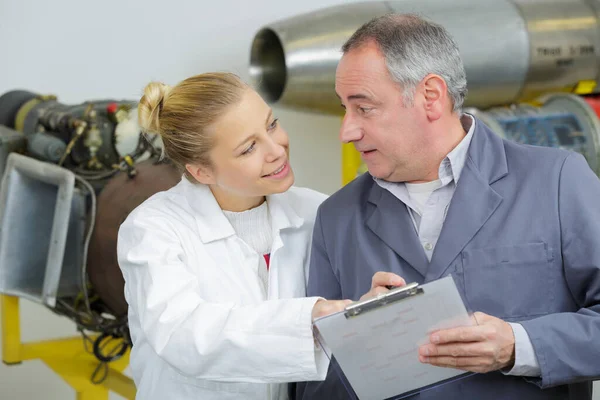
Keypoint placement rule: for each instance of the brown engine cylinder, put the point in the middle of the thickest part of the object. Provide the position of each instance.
(118, 198)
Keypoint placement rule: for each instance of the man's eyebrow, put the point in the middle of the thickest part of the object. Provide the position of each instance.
(357, 96)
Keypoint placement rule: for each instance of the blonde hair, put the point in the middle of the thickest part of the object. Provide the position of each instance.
(181, 114)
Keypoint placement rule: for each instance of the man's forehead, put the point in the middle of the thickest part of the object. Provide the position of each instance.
(367, 52)
(358, 89)
(355, 61)
(354, 81)
(358, 64)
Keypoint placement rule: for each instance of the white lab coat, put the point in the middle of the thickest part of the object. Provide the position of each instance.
(201, 326)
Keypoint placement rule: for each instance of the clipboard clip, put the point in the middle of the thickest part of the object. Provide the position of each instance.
(394, 295)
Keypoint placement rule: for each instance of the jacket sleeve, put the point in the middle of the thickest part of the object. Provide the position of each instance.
(321, 278)
(270, 342)
(566, 344)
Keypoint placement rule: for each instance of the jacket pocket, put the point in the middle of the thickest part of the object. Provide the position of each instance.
(509, 282)
(223, 387)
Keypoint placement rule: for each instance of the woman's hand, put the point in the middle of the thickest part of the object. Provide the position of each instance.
(380, 283)
(326, 307)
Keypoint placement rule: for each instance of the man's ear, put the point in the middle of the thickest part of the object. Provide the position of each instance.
(201, 173)
(435, 92)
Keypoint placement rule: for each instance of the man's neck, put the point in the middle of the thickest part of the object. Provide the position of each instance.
(450, 132)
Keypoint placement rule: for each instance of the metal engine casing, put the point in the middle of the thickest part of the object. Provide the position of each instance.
(55, 230)
(544, 47)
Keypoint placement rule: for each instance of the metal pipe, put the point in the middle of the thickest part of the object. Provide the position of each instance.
(513, 50)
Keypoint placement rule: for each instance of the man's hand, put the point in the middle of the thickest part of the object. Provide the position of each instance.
(380, 281)
(488, 345)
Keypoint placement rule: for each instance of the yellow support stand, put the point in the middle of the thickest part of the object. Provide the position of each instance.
(67, 357)
(351, 162)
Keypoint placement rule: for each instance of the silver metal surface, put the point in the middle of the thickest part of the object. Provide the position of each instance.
(512, 49)
(492, 40)
(42, 221)
(383, 299)
(10, 140)
(564, 42)
(293, 62)
(566, 118)
(595, 5)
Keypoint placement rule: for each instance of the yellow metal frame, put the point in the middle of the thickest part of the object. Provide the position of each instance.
(67, 357)
(350, 162)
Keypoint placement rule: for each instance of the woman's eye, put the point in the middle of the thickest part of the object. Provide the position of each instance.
(273, 124)
(249, 149)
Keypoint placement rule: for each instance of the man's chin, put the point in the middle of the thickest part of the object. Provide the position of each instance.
(379, 173)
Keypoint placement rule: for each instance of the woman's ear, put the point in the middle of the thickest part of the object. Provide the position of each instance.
(201, 173)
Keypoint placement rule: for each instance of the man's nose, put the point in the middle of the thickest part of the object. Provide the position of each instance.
(350, 131)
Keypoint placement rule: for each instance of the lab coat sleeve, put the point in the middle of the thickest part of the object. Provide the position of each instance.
(322, 281)
(566, 344)
(270, 342)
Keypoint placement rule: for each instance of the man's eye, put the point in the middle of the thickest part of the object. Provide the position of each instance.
(249, 149)
(364, 110)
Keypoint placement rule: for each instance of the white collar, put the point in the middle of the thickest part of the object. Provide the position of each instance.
(214, 225)
(453, 163)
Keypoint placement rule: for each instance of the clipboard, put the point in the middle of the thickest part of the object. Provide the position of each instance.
(375, 341)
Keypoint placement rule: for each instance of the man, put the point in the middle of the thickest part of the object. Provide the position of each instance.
(518, 227)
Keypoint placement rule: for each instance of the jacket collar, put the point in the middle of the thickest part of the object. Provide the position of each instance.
(487, 154)
(474, 201)
(213, 224)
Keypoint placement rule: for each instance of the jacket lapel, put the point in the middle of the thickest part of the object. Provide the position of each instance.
(474, 201)
(392, 224)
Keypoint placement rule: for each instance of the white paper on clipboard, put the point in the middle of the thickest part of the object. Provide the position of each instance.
(376, 344)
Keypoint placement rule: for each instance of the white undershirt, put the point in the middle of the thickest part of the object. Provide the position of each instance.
(419, 193)
(254, 227)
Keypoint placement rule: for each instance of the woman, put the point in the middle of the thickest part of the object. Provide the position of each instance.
(215, 268)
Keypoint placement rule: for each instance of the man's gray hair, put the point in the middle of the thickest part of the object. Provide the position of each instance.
(413, 48)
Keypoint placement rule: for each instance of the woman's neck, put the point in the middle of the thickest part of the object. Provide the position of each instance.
(229, 202)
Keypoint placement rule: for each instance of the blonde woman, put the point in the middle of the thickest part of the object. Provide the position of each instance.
(215, 268)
